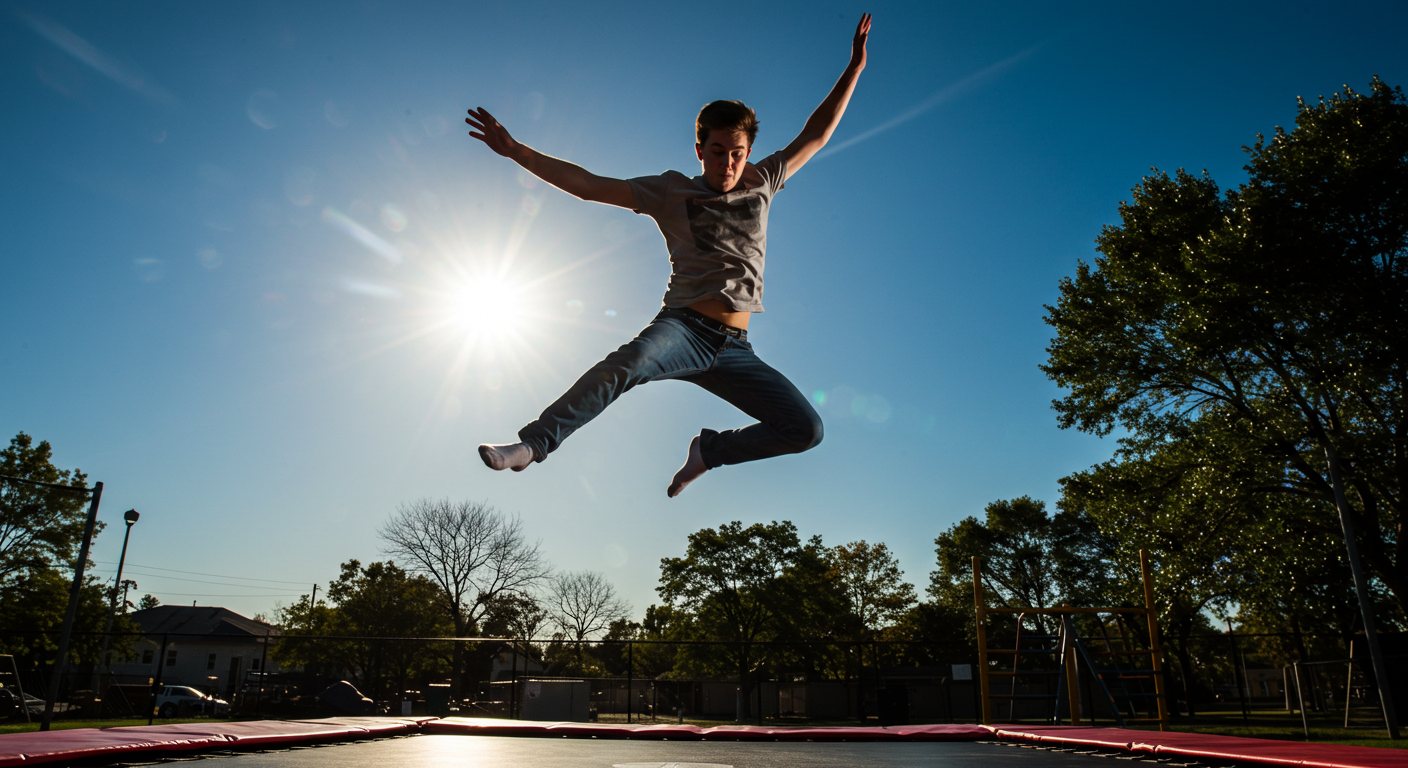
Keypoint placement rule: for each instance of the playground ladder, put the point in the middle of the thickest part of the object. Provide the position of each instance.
(1069, 647)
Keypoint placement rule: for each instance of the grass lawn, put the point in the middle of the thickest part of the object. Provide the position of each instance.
(1284, 726)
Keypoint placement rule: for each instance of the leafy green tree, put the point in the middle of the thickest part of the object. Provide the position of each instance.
(302, 630)
(932, 633)
(378, 601)
(147, 601)
(515, 614)
(874, 585)
(32, 615)
(746, 585)
(650, 659)
(512, 615)
(1029, 559)
(40, 531)
(1266, 321)
(39, 527)
(384, 601)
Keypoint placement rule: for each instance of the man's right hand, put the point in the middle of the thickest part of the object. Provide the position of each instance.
(568, 177)
(493, 134)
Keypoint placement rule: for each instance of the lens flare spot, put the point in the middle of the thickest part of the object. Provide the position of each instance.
(262, 108)
(877, 409)
(392, 218)
(819, 397)
(149, 270)
(209, 258)
(615, 555)
(610, 313)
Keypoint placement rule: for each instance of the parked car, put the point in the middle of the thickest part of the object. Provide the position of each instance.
(171, 700)
(10, 704)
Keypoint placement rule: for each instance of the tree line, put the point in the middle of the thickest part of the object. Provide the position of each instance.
(470, 571)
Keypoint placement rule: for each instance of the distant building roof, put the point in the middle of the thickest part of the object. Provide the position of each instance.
(200, 620)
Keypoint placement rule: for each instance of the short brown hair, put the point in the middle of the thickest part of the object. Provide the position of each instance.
(731, 116)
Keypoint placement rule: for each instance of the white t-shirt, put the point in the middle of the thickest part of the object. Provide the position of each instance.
(717, 242)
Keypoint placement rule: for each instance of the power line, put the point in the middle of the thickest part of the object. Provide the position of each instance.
(202, 594)
(197, 573)
(198, 581)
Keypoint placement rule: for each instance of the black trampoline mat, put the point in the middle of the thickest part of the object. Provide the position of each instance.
(454, 751)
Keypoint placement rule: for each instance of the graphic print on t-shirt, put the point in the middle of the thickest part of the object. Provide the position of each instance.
(720, 226)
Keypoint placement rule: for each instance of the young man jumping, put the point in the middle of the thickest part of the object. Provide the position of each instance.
(715, 227)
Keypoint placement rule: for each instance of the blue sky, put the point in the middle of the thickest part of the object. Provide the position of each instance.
(240, 238)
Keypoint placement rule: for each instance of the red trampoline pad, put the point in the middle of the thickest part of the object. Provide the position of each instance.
(81, 743)
(1211, 747)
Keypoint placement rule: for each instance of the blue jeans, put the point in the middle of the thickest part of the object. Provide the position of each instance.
(681, 344)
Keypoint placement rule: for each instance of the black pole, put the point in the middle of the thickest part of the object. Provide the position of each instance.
(759, 682)
(1300, 700)
(75, 592)
(1366, 603)
(1241, 692)
(630, 677)
(263, 672)
(156, 682)
(860, 682)
(513, 680)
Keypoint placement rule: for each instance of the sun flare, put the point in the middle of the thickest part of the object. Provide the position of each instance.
(487, 307)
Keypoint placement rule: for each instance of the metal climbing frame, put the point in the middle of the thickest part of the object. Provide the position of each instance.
(1072, 654)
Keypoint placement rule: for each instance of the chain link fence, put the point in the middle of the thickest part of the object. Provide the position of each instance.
(828, 682)
(1327, 681)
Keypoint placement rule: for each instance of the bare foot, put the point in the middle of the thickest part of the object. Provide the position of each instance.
(692, 469)
(514, 456)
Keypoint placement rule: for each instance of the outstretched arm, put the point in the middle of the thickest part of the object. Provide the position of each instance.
(568, 177)
(824, 120)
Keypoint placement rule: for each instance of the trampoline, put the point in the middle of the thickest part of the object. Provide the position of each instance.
(469, 743)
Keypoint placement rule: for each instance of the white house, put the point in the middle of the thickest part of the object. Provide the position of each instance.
(207, 647)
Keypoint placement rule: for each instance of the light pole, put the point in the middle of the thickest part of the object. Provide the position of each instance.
(129, 517)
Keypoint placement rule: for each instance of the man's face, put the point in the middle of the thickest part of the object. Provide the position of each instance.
(723, 157)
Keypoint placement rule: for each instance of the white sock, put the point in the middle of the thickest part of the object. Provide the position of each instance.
(514, 456)
(693, 468)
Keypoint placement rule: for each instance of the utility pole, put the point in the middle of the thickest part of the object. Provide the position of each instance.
(75, 592)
